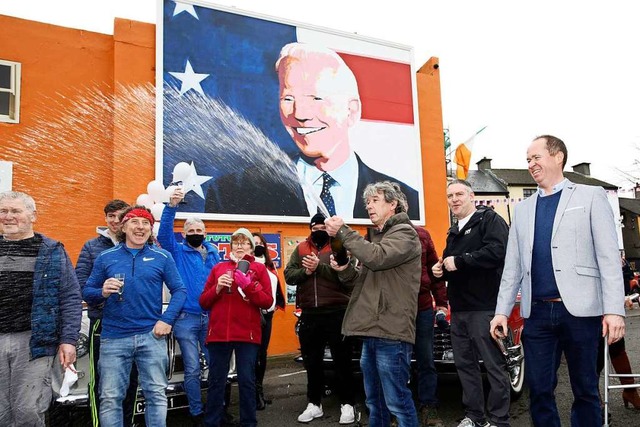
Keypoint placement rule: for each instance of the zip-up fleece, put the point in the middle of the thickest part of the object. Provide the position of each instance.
(321, 289)
(145, 273)
(385, 297)
(233, 317)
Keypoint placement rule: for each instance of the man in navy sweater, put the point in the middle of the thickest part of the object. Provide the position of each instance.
(128, 280)
(563, 257)
(195, 258)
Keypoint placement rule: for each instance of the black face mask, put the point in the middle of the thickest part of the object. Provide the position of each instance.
(195, 240)
(319, 238)
(259, 251)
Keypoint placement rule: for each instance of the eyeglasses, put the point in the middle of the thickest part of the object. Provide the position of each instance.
(245, 243)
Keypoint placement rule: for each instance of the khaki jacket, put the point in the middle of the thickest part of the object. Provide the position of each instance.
(386, 283)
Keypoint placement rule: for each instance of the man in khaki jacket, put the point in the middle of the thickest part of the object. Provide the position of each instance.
(383, 304)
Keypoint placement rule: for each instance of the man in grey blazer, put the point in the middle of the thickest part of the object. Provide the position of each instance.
(563, 255)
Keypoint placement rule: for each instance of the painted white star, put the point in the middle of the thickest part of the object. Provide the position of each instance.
(181, 7)
(194, 182)
(190, 79)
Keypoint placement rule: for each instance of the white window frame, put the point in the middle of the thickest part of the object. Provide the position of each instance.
(14, 92)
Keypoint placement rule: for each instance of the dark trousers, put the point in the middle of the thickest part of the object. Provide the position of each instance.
(219, 355)
(471, 342)
(261, 361)
(129, 403)
(317, 330)
(550, 331)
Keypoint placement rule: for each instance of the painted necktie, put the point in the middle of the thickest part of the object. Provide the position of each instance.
(325, 195)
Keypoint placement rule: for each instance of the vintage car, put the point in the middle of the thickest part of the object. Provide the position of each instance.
(443, 352)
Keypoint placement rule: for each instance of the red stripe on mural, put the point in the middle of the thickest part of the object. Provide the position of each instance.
(385, 88)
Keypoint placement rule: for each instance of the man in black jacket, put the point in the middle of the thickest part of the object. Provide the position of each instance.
(472, 264)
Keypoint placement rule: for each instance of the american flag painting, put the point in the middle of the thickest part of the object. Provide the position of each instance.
(220, 111)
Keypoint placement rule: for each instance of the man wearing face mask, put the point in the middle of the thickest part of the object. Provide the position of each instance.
(194, 258)
(323, 300)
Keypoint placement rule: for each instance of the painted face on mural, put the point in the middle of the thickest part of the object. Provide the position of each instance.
(316, 110)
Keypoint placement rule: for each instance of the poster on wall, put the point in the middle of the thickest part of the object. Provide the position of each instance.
(289, 243)
(263, 119)
(222, 241)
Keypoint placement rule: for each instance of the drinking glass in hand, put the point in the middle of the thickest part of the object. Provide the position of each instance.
(120, 278)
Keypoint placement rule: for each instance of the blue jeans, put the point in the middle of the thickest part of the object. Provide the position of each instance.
(220, 353)
(191, 330)
(427, 374)
(386, 367)
(548, 332)
(116, 357)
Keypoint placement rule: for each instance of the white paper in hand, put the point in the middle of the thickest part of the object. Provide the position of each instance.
(70, 378)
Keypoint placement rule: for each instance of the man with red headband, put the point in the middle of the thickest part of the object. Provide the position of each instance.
(92, 248)
(128, 280)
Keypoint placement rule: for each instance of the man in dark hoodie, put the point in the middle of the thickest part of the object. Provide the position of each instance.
(323, 300)
(472, 264)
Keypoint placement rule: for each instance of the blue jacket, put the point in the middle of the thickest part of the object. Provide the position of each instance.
(145, 272)
(193, 270)
(90, 251)
(56, 312)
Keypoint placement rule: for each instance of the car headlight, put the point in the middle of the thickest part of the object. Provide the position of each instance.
(82, 346)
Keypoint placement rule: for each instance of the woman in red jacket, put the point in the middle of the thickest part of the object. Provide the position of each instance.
(234, 300)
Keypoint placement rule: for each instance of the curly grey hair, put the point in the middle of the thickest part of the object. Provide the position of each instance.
(390, 190)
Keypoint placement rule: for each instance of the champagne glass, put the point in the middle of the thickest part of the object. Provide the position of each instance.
(120, 278)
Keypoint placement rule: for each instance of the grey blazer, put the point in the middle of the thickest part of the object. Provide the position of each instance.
(584, 247)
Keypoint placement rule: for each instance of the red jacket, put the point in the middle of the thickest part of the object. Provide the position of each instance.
(429, 284)
(232, 317)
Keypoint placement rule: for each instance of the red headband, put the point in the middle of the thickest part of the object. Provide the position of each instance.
(138, 213)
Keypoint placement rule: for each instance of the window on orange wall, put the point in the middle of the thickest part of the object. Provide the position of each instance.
(10, 91)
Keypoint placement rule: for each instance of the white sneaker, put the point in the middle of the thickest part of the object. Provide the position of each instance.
(468, 422)
(312, 412)
(347, 414)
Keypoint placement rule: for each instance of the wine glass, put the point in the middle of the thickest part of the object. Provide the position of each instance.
(120, 278)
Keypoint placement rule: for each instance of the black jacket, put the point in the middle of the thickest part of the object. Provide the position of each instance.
(479, 250)
(250, 193)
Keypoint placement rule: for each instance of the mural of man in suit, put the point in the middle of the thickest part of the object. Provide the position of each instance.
(319, 104)
(563, 255)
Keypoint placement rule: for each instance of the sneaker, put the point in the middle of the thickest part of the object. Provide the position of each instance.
(312, 412)
(347, 414)
(468, 422)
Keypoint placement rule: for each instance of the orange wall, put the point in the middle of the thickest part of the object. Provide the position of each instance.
(72, 174)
